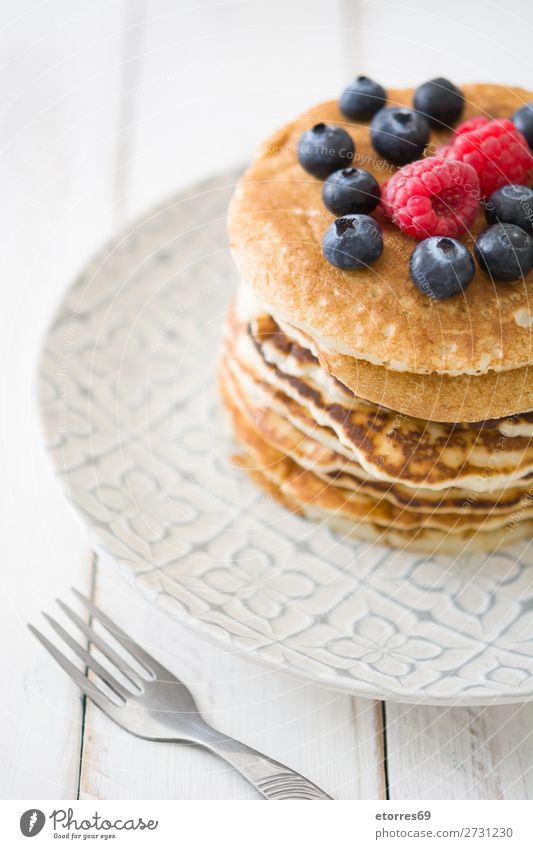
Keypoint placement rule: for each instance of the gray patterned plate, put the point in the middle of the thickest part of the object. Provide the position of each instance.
(138, 438)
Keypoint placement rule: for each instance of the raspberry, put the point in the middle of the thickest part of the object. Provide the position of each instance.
(466, 127)
(496, 150)
(472, 124)
(432, 197)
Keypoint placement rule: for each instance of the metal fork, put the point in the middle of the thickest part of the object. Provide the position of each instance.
(158, 706)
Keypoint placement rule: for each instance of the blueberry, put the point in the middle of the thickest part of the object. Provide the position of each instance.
(362, 99)
(351, 190)
(399, 134)
(324, 149)
(441, 267)
(511, 205)
(440, 101)
(353, 241)
(504, 251)
(523, 121)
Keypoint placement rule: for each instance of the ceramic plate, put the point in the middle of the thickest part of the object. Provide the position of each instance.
(138, 438)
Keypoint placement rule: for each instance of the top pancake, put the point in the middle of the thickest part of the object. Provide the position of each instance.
(276, 224)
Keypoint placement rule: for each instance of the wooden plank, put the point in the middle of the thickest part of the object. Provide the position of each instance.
(214, 80)
(41, 712)
(432, 752)
(404, 46)
(332, 738)
(460, 753)
(171, 97)
(57, 142)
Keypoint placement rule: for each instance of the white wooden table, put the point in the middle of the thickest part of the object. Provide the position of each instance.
(105, 108)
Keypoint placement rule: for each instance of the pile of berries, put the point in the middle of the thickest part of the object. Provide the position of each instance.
(435, 199)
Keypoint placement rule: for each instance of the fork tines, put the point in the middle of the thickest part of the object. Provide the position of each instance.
(147, 663)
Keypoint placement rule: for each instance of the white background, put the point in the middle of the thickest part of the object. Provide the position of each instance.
(106, 107)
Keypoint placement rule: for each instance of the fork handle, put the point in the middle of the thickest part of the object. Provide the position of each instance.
(271, 778)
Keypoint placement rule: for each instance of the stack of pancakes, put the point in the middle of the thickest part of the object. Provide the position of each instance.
(358, 401)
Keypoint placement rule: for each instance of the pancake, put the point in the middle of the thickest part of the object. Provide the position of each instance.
(362, 516)
(276, 223)
(333, 468)
(389, 447)
(425, 541)
(437, 397)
